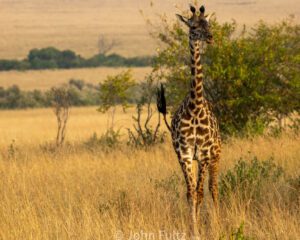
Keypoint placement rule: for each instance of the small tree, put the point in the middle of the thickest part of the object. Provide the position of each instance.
(250, 77)
(105, 45)
(113, 91)
(61, 104)
(144, 133)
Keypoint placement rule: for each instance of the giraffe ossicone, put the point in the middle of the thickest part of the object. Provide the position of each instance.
(194, 127)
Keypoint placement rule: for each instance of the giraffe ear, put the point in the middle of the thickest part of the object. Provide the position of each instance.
(202, 9)
(183, 19)
(192, 8)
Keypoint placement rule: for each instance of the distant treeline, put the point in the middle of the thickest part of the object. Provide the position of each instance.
(80, 93)
(52, 58)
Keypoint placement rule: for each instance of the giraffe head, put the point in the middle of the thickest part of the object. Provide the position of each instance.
(198, 25)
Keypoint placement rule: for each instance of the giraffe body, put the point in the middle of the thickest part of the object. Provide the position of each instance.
(195, 136)
(194, 128)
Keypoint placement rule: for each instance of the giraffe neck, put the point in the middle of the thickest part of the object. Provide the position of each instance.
(196, 93)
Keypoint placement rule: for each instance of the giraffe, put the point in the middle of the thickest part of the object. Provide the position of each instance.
(194, 128)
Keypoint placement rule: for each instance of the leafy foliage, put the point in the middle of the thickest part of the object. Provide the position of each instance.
(49, 58)
(251, 77)
(238, 234)
(7, 65)
(248, 179)
(294, 193)
(115, 60)
(170, 184)
(110, 139)
(114, 90)
(169, 190)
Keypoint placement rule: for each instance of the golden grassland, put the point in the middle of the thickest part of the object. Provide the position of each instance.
(84, 193)
(31, 127)
(77, 24)
(72, 25)
(45, 79)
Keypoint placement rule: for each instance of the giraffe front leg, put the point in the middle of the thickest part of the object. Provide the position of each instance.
(186, 165)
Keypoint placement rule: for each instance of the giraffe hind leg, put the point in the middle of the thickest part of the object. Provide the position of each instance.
(186, 165)
(213, 180)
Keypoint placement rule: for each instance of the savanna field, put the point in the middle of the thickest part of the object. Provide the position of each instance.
(84, 192)
(95, 188)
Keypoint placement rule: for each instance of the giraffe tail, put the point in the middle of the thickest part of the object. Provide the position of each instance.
(162, 104)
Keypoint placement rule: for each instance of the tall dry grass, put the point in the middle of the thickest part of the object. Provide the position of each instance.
(83, 193)
(34, 127)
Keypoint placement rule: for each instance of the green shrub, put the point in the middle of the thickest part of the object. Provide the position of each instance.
(254, 127)
(250, 179)
(6, 65)
(170, 185)
(114, 90)
(144, 138)
(237, 234)
(251, 76)
(49, 58)
(146, 132)
(294, 190)
(110, 139)
(11, 97)
(295, 125)
(115, 60)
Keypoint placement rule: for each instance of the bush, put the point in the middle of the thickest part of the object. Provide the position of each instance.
(11, 97)
(251, 77)
(144, 133)
(294, 190)
(113, 91)
(49, 58)
(115, 60)
(6, 65)
(237, 234)
(170, 185)
(110, 139)
(169, 191)
(69, 59)
(250, 179)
